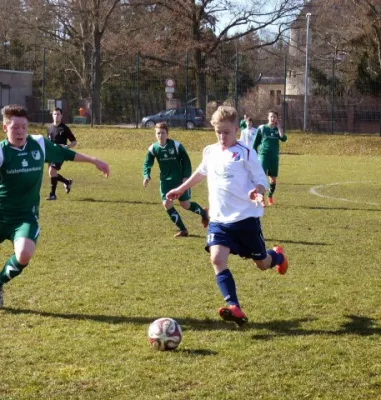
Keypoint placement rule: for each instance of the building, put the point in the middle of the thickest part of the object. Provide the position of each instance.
(270, 91)
(15, 87)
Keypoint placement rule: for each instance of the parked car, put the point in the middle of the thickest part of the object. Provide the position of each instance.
(189, 117)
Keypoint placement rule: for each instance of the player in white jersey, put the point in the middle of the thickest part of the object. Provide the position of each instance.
(248, 134)
(236, 186)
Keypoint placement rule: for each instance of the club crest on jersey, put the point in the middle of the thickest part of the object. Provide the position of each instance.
(171, 152)
(36, 155)
(236, 156)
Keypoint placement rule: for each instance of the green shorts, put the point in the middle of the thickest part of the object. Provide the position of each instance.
(165, 187)
(270, 165)
(16, 230)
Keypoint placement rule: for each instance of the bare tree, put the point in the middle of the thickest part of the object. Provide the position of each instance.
(203, 26)
(82, 25)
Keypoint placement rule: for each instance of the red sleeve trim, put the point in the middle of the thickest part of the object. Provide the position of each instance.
(245, 148)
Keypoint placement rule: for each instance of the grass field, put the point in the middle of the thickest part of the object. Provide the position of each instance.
(74, 323)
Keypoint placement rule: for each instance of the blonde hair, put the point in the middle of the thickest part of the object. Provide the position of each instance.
(225, 114)
(13, 110)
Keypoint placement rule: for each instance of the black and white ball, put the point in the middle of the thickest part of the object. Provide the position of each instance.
(165, 334)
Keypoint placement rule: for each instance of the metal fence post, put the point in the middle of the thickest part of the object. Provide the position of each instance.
(380, 118)
(186, 87)
(333, 96)
(43, 84)
(306, 75)
(92, 87)
(137, 84)
(284, 94)
(236, 76)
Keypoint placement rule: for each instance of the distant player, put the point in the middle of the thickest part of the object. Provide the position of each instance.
(59, 133)
(236, 185)
(248, 134)
(22, 159)
(175, 167)
(243, 122)
(266, 144)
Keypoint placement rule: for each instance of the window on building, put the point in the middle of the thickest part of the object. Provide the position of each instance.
(272, 97)
(278, 97)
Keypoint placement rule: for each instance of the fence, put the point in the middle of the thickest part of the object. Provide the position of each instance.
(135, 87)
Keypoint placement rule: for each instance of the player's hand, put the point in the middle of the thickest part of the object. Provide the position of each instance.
(256, 197)
(103, 167)
(173, 194)
(146, 181)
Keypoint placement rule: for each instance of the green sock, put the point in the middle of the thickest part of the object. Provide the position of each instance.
(12, 268)
(197, 209)
(176, 219)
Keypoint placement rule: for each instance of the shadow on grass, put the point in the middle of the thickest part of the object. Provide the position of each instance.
(92, 200)
(357, 325)
(197, 352)
(337, 208)
(298, 242)
(186, 323)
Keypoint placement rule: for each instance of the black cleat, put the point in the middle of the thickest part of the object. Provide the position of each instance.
(51, 197)
(68, 186)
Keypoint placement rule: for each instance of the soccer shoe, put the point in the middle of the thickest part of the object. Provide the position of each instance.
(51, 197)
(68, 186)
(1, 297)
(181, 234)
(233, 313)
(205, 220)
(270, 201)
(281, 268)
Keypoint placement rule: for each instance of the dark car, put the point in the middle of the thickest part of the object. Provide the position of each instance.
(189, 117)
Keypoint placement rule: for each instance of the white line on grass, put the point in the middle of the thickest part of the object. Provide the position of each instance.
(314, 190)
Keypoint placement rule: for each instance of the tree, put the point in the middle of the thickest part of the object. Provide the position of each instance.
(82, 26)
(357, 42)
(203, 26)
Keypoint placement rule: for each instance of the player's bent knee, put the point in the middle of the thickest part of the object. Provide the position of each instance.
(218, 262)
(185, 204)
(24, 257)
(262, 264)
(168, 204)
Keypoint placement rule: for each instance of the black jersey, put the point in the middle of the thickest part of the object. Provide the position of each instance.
(60, 134)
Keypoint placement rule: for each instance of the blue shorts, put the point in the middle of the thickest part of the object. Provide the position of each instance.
(243, 238)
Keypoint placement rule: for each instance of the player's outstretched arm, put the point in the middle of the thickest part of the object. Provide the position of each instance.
(194, 179)
(99, 164)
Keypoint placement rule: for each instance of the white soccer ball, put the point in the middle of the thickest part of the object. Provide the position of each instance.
(165, 334)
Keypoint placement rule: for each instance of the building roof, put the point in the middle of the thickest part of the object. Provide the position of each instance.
(271, 80)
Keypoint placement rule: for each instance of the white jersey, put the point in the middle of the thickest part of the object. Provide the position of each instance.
(231, 174)
(247, 137)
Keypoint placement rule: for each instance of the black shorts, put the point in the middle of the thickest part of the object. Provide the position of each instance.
(243, 238)
(56, 166)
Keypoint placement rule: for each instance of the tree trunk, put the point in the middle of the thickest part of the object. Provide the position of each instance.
(199, 59)
(85, 89)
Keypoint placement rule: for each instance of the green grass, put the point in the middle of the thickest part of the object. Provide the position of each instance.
(75, 321)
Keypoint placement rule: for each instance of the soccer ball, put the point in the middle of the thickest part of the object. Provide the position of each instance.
(165, 334)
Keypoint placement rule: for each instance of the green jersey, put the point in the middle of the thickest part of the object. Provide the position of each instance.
(21, 173)
(266, 142)
(174, 162)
